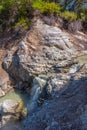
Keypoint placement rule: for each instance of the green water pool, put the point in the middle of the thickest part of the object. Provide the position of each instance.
(16, 95)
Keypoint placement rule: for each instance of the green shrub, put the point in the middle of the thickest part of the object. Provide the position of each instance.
(24, 23)
(54, 8)
(83, 17)
(14, 13)
(82, 14)
(18, 13)
(1, 8)
(46, 7)
(69, 16)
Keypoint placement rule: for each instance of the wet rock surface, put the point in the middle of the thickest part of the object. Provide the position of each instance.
(67, 107)
(7, 110)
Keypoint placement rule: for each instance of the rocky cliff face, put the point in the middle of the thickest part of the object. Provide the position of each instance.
(45, 64)
(43, 47)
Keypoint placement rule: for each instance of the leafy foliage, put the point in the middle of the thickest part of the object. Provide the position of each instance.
(47, 7)
(14, 11)
(18, 13)
(69, 16)
(82, 14)
(23, 23)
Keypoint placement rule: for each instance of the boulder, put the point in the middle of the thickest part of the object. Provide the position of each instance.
(7, 110)
(15, 66)
(9, 106)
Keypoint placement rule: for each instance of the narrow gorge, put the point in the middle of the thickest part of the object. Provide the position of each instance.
(43, 80)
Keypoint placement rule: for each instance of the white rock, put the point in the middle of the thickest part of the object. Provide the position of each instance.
(9, 106)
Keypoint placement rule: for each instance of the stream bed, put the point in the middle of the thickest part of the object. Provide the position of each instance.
(19, 95)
